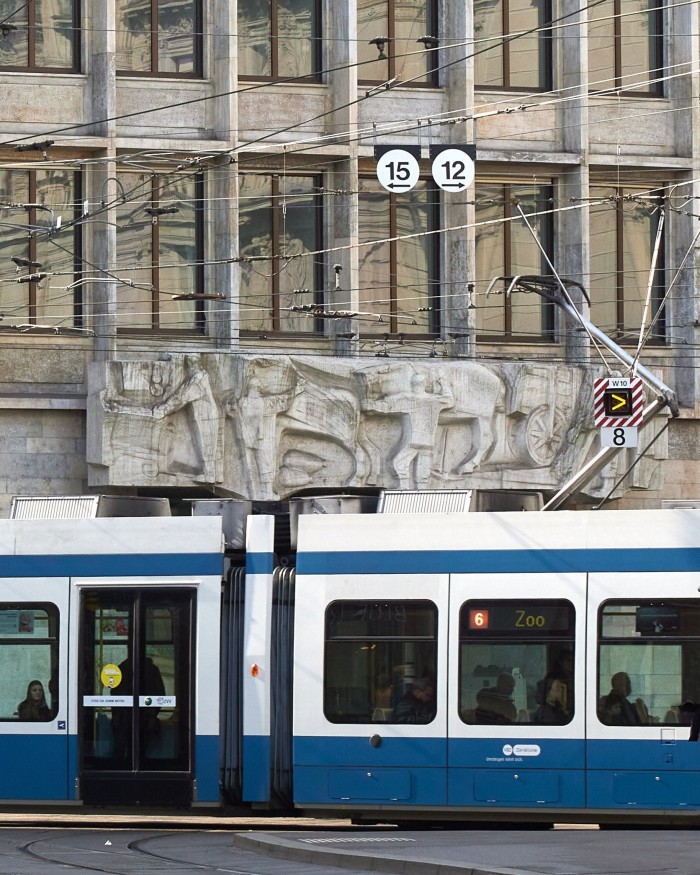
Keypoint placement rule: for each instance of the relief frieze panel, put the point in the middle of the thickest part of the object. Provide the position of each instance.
(266, 427)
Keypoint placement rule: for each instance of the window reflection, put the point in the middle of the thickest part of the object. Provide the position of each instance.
(29, 636)
(648, 663)
(624, 46)
(398, 268)
(39, 35)
(512, 45)
(278, 38)
(505, 247)
(170, 45)
(56, 193)
(380, 662)
(516, 662)
(161, 253)
(403, 24)
(279, 223)
(623, 237)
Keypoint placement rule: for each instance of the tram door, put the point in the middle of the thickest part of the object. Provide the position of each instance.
(135, 701)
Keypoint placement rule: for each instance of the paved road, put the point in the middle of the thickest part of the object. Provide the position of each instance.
(113, 851)
(477, 852)
(116, 847)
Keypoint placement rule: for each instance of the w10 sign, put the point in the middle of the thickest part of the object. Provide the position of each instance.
(618, 402)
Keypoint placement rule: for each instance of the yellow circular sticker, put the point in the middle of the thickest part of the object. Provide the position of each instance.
(111, 676)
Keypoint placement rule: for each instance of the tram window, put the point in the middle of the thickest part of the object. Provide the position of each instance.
(29, 643)
(516, 662)
(380, 656)
(648, 662)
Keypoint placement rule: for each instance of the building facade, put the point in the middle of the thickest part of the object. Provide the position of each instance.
(206, 290)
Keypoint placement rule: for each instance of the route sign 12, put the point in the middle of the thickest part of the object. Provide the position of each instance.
(453, 166)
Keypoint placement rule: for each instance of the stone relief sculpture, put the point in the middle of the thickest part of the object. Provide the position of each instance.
(183, 436)
(255, 412)
(266, 427)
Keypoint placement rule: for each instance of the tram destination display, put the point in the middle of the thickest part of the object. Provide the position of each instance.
(518, 618)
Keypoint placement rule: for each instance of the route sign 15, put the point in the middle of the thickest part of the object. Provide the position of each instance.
(397, 167)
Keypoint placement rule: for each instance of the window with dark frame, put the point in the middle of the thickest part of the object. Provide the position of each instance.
(377, 654)
(505, 247)
(159, 37)
(625, 234)
(32, 204)
(398, 40)
(516, 661)
(29, 640)
(40, 36)
(279, 39)
(513, 44)
(280, 222)
(648, 662)
(625, 47)
(160, 250)
(399, 263)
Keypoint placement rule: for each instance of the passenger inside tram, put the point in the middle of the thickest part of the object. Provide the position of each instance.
(553, 711)
(34, 707)
(615, 709)
(495, 704)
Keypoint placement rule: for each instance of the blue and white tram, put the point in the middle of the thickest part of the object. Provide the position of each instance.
(560, 648)
(113, 623)
(392, 667)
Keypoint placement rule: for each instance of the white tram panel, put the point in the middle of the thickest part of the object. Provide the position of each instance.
(29, 591)
(314, 595)
(350, 534)
(662, 588)
(126, 536)
(529, 599)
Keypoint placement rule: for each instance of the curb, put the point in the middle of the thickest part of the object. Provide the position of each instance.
(274, 846)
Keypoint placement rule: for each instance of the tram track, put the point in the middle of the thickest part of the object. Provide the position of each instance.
(118, 858)
(111, 849)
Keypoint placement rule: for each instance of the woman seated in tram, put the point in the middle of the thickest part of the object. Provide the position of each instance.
(34, 707)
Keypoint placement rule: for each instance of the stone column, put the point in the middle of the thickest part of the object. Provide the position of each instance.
(341, 206)
(457, 252)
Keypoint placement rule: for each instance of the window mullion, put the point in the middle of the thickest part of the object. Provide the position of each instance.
(32, 219)
(154, 36)
(275, 262)
(507, 259)
(617, 41)
(391, 47)
(619, 262)
(274, 40)
(155, 257)
(393, 267)
(505, 43)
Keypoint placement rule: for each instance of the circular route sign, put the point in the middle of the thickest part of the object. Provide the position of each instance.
(398, 170)
(453, 170)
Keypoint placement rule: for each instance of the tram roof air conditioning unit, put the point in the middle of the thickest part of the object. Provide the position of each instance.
(425, 501)
(79, 507)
